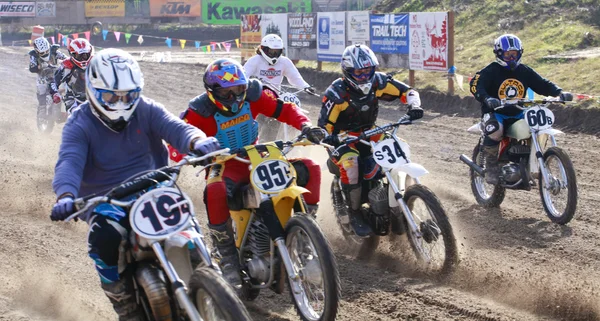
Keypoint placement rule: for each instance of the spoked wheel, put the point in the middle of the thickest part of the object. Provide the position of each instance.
(45, 119)
(433, 243)
(214, 298)
(487, 195)
(316, 292)
(560, 197)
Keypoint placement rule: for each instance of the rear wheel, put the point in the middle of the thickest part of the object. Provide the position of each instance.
(45, 117)
(214, 298)
(560, 198)
(434, 243)
(486, 195)
(317, 293)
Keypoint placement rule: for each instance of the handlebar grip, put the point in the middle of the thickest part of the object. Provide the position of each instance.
(141, 183)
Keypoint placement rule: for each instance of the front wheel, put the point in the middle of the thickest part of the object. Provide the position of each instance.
(45, 117)
(433, 243)
(560, 196)
(486, 195)
(214, 298)
(312, 258)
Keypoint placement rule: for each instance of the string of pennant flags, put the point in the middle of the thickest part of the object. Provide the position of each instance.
(64, 40)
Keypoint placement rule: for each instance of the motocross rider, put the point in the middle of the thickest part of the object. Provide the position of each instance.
(227, 111)
(351, 105)
(41, 57)
(115, 134)
(506, 78)
(72, 73)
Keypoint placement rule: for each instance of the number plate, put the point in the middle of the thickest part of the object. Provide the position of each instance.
(291, 98)
(271, 176)
(389, 154)
(539, 118)
(160, 213)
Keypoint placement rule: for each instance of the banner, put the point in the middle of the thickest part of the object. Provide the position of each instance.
(137, 8)
(177, 8)
(250, 34)
(389, 33)
(275, 24)
(105, 8)
(229, 12)
(302, 30)
(331, 35)
(17, 9)
(357, 27)
(428, 41)
(45, 9)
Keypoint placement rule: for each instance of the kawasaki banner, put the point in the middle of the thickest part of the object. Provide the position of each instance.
(229, 12)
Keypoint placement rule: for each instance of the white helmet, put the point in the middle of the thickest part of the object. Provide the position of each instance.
(114, 83)
(271, 48)
(42, 47)
(358, 66)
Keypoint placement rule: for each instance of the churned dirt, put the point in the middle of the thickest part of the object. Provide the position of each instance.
(515, 264)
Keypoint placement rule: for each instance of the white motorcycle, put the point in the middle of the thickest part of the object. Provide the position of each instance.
(528, 153)
(164, 231)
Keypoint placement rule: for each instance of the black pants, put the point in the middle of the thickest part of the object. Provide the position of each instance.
(105, 237)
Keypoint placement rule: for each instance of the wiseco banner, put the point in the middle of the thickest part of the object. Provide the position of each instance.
(181, 8)
(229, 12)
(17, 9)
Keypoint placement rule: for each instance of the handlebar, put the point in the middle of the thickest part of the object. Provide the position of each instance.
(404, 120)
(523, 103)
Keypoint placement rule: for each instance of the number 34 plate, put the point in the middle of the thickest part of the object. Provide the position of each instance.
(160, 213)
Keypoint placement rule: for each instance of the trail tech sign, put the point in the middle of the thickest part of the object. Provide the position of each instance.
(229, 12)
(17, 9)
(178, 8)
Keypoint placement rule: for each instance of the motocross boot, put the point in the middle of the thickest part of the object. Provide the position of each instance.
(122, 296)
(222, 237)
(360, 227)
(492, 169)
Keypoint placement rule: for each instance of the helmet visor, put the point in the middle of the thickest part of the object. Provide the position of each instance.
(362, 75)
(227, 93)
(510, 55)
(272, 53)
(110, 97)
(44, 54)
(82, 57)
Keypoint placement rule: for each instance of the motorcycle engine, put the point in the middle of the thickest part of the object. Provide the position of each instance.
(259, 244)
(511, 173)
(379, 217)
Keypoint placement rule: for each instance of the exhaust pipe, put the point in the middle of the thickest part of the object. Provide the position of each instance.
(156, 291)
(473, 166)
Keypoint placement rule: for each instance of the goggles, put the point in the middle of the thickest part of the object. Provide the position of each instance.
(363, 74)
(510, 55)
(227, 93)
(82, 57)
(272, 53)
(110, 97)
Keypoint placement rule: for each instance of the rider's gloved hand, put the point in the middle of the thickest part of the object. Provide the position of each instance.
(311, 90)
(63, 208)
(314, 134)
(490, 104)
(566, 96)
(203, 146)
(415, 113)
(332, 140)
(56, 98)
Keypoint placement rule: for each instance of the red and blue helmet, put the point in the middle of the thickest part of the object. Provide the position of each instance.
(508, 49)
(226, 85)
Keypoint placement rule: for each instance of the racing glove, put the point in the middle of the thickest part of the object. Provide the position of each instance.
(314, 134)
(415, 113)
(413, 99)
(490, 104)
(566, 96)
(56, 98)
(311, 90)
(201, 147)
(332, 140)
(63, 208)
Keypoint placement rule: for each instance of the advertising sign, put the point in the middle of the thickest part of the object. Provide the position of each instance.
(357, 27)
(229, 12)
(250, 34)
(105, 8)
(137, 8)
(389, 33)
(275, 24)
(331, 35)
(429, 41)
(17, 9)
(175, 8)
(302, 31)
(45, 9)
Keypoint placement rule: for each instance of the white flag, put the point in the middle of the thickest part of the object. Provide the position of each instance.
(140, 40)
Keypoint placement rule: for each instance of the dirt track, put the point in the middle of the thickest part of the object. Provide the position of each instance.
(516, 265)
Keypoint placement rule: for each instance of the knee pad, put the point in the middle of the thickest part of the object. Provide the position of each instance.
(493, 129)
(104, 239)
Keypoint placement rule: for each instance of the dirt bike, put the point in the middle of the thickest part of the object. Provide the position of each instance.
(164, 232)
(48, 114)
(275, 237)
(525, 157)
(393, 199)
(271, 129)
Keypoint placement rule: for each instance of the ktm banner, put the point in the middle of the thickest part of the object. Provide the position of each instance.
(175, 8)
(105, 8)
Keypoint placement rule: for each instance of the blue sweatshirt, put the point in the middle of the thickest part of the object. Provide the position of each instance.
(93, 159)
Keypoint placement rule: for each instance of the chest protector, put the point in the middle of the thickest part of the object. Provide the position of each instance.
(362, 111)
(238, 130)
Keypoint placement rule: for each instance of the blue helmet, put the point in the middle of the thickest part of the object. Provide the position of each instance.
(508, 49)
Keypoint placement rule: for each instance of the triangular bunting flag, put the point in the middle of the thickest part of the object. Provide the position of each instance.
(68, 41)
(87, 35)
(52, 38)
(60, 37)
(213, 45)
(64, 41)
(117, 35)
(127, 36)
(140, 40)
(219, 44)
(29, 42)
(168, 42)
(75, 35)
(208, 48)
(237, 42)
(227, 46)
(204, 49)
(182, 43)
(197, 44)
(104, 34)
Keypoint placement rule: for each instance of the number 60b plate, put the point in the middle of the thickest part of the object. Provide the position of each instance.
(160, 213)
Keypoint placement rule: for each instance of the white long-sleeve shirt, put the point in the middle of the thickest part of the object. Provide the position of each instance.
(258, 67)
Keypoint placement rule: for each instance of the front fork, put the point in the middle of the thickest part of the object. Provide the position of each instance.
(540, 157)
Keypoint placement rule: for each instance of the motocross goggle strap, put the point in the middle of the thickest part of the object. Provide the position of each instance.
(228, 99)
(110, 97)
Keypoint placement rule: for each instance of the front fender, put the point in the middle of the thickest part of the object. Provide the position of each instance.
(412, 169)
(178, 253)
(551, 132)
(284, 202)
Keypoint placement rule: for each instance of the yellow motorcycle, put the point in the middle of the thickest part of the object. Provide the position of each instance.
(275, 237)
